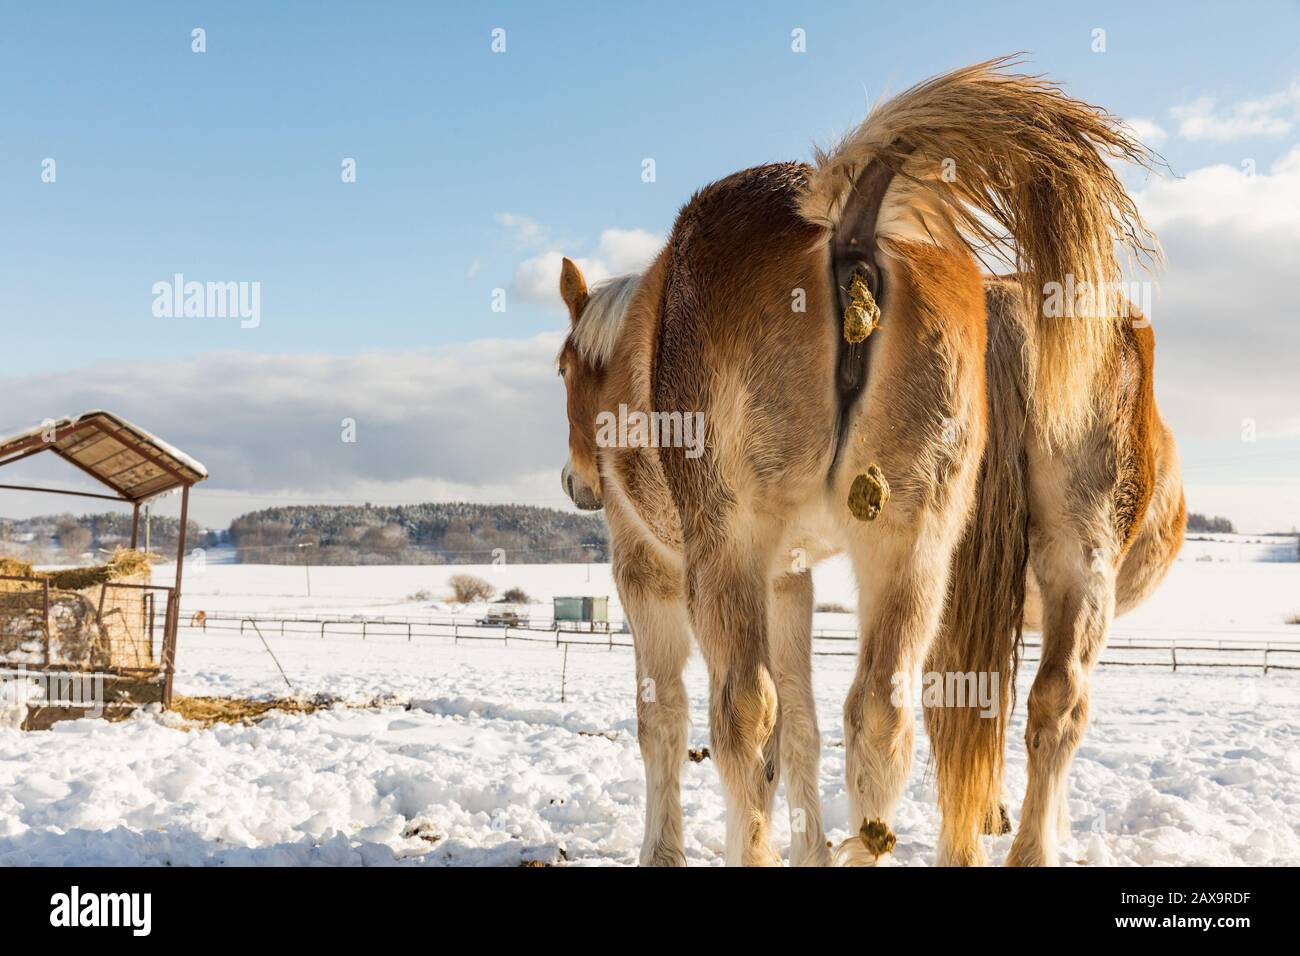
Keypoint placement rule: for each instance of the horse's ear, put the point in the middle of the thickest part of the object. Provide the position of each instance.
(573, 288)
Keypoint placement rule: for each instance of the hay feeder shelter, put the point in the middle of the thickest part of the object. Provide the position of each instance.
(109, 622)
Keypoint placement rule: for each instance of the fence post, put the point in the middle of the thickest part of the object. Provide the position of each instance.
(1266, 658)
(455, 632)
(408, 632)
(1173, 655)
(564, 672)
(363, 630)
(45, 601)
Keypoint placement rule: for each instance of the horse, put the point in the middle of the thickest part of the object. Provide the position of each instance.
(990, 456)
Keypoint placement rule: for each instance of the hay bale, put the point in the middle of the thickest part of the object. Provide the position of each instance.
(125, 563)
(13, 567)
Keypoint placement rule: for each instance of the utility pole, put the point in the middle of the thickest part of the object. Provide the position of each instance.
(306, 563)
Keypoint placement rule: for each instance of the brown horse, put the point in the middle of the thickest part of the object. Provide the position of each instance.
(986, 457)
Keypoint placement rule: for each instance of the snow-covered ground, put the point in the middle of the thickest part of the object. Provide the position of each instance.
(466, 753)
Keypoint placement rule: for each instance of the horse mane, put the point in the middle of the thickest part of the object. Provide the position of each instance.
(1006, 166)
(596, 333)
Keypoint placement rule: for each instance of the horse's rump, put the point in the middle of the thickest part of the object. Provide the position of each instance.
(1007, 166)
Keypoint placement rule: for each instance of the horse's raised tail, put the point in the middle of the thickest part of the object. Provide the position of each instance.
(1012, 169)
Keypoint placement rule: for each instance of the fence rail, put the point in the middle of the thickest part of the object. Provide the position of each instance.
(1122, 650)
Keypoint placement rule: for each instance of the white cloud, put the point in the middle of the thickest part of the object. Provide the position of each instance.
(1147, 131)
(1227, 324)
(482, 420)
(619, 251)
(1272, 115)
(1229, 198)
(523, 231)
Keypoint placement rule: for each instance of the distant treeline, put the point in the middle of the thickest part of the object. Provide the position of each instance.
(441, 533)
(47, 537)
(1212, 523)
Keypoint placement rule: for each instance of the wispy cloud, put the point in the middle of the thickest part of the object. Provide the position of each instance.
(1206, 119)
(478, 420)
(619, 251)
(524, 232)
(1148, 131)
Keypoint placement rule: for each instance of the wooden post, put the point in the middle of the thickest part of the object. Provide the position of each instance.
(135, 524)
(564, 672)
(45, 588)
(173, 618)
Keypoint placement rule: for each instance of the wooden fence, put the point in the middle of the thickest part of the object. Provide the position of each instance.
(1123, 649)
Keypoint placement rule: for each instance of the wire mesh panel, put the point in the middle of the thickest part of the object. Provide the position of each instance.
(24, 617)
(125, 626)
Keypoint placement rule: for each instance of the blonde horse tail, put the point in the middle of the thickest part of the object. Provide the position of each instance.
(982, 622)
(1009, 168)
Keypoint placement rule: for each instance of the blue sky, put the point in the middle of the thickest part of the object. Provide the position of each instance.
(225, 165)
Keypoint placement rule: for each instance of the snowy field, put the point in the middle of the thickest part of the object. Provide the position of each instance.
(445, 754)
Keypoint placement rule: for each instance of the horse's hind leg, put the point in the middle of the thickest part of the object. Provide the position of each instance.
(923, 424)
(800, 742)
(1074, 556)
(652, 599)
(901, 577)
(727, 596)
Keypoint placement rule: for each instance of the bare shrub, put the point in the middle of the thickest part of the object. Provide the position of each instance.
(466, 589)
(516, 596)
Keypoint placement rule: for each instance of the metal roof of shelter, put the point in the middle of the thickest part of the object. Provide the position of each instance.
(124, 457)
